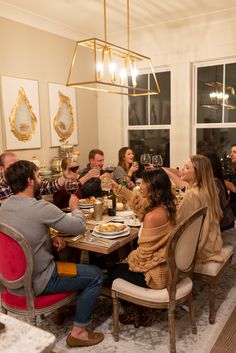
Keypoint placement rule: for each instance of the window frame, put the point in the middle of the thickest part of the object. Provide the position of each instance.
(195, 124)
(128, 127)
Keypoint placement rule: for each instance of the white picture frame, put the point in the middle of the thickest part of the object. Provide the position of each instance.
(20, 102)
(66, 132)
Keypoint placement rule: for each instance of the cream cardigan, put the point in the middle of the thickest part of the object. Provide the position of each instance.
(150, 256)
(210, 245)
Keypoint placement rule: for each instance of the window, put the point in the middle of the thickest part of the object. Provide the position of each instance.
(215, 108)
(149, 119)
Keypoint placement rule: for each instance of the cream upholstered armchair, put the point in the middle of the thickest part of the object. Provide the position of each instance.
(181, 256)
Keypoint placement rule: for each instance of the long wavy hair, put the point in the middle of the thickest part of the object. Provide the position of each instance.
(205, 182)
(159, 192)
(121, 158)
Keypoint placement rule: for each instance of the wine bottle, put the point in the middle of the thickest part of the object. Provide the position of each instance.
(111, 203)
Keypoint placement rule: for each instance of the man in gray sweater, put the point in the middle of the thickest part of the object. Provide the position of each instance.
(32, 218)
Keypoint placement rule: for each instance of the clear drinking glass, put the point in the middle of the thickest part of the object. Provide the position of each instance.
(106, 184)
(157, 160)
(145, 159)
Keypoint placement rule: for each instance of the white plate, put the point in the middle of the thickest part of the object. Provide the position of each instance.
(85, 205)
(114, 232)
(111, 236)
(136, 223)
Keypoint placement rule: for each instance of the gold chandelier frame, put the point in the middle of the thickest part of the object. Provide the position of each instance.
(110, 68)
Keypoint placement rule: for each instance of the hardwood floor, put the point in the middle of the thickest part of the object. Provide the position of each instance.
(226, 342)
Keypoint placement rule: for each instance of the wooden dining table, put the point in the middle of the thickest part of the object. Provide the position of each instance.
(99, 245)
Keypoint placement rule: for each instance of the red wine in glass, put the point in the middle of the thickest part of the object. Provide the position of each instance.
(110, 168)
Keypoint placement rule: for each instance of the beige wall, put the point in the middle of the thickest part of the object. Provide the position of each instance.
(33, 54)
(177, 45)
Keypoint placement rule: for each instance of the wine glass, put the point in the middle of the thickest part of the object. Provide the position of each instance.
(145, 159)
(106, 184)
(157, 160)
(71, 186)
(110, 168)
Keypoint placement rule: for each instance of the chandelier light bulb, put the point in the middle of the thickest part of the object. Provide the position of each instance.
(123, 76)
(99, 71)
(112, 68)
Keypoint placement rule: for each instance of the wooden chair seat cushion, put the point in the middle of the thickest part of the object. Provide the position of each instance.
(41, 301)
(212, 268)
(184, 287)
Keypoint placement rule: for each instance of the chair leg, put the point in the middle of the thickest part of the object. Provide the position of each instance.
(171, 320)
(115, 317)
(192, 315)
(212, 293)
(4, 311)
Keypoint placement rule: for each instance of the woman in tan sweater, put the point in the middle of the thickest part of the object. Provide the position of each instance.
(201, 191)
(155, 206)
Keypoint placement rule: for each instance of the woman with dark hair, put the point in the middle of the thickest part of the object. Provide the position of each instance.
(126, 169)
(155, 206)
(146, 265)
(228, 217)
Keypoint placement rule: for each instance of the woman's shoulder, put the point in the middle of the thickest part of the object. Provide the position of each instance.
(157, 217)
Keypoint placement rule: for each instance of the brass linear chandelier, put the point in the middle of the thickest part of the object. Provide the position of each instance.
(101, 66)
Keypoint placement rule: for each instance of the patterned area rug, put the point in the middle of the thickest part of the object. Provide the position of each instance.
(156, 337)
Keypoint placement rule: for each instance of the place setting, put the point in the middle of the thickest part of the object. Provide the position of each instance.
(111, 230)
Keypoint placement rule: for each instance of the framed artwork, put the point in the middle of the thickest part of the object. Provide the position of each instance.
(63, 114)
(20, 103)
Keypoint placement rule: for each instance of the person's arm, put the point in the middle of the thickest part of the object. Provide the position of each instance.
(230, 186)
(53, 217)
(175, 177)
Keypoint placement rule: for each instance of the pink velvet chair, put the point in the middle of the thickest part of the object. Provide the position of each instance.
(16, 268)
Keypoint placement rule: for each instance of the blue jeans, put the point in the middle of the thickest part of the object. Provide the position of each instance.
(87, 283)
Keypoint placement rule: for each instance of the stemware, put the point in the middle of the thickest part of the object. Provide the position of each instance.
(106, 184)
(145, 159)
(110, 168)
(71, 186)
(157, 160)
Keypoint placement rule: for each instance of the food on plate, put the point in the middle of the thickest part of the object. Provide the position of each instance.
(90, 199)
(111, 227)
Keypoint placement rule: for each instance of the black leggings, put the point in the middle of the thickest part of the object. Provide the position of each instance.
(122, 271)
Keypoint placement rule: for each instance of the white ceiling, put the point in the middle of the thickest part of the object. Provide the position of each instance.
(78, 19)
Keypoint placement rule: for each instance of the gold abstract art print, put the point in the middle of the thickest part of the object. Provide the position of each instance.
(21, 113)
(63, 114)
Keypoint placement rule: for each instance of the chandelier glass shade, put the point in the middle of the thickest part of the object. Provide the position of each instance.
(102, 66)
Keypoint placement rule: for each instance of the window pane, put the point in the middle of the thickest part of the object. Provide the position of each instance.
(230, 90)
(138, 106)
(160, 104)
(209, 83)
(150, 141)
(215, 140)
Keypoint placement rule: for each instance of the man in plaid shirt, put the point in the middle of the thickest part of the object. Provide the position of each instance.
(47, 186)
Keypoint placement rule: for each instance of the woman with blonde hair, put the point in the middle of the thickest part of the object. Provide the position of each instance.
(201, 192)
